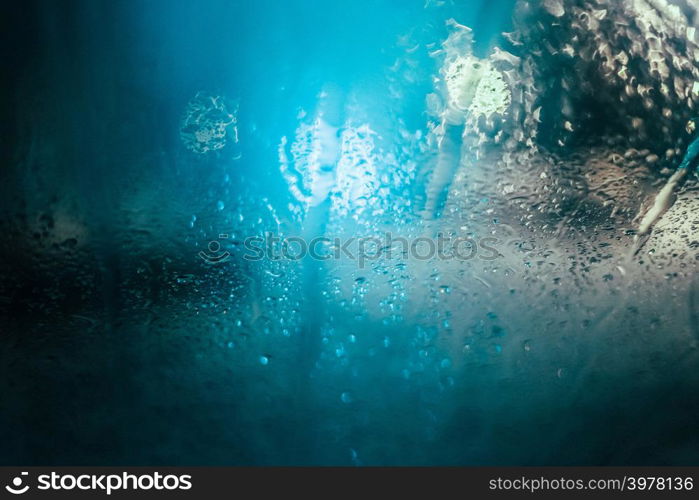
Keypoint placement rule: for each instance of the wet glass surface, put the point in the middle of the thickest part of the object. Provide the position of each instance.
(358, 233)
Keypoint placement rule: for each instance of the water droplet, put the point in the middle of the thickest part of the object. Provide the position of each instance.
(220, 205)
(346, 397)
(264, 360)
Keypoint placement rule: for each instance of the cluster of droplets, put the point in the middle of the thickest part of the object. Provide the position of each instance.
(606, 65)
(366, 182)
(255, 293)
(491, 97)
(205, 124)
(357, 172)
